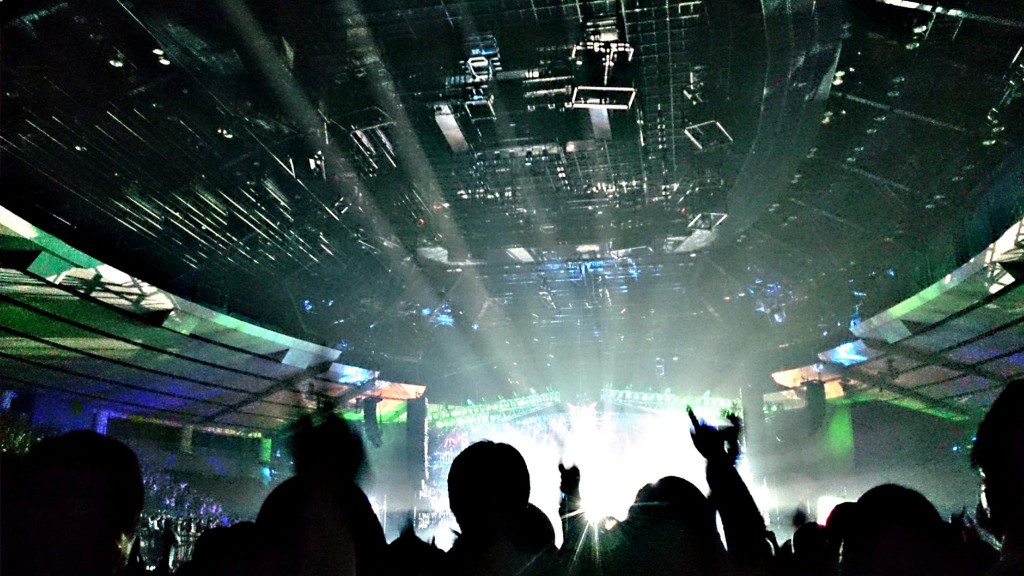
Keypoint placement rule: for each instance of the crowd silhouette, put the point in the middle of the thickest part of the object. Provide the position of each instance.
(72, 506)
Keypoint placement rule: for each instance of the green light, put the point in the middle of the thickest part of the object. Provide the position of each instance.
(839, 435)
(442, 416)
(353, 416)
(388, 412)
(22, 228)
(668, 401)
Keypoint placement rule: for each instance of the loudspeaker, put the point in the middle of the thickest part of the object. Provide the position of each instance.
(370, 425)
(814, 391)
(416, 439)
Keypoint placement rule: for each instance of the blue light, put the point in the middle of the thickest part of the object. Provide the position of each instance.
(307, 305)
(855, 319)
(444, 320)
(425, 312)
(351, 374)
(848, 354)
(9, 396)
(475, 326)
(890, 273)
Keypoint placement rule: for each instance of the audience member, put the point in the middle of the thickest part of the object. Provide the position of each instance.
(72, 507)
(410, 556)
(897, 531)
(319, 521)
(999, 454)
(489, 492)
(81, 499)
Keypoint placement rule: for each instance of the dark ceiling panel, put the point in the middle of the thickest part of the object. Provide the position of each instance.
(1002, 342)
(253, 421)
(604, 185)
(979, 400)
(924, 376)
(1011, 366)
(957, 387)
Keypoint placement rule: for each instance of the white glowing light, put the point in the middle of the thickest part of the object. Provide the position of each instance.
(825, 506)
(617, 453)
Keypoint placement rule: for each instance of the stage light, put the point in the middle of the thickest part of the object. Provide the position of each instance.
(825, 505)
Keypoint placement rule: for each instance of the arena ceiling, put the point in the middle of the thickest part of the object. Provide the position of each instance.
(73, 327)
(489, 197)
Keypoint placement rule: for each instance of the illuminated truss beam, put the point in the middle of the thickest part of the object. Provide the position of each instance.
(955, 13)
(865, 377)
(938, 359)
(898, 111)
(288, 383)
(441, 416)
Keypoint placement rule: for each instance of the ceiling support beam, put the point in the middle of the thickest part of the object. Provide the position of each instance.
(956, 13)
(938, 359)
(289, 383)
(883, 384)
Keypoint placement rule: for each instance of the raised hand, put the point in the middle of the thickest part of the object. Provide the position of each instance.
(716, 444)
(570, 483)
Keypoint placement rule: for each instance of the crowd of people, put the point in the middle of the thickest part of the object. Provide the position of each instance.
(73, 504)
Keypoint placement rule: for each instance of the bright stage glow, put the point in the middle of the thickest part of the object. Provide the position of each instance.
(825, 506)
(617, 449)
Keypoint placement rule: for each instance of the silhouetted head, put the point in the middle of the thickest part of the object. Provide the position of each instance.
(896, 530)
(534, 532)
(410, 556)
(799, 518)
(211, 545)
(999, 453)
(641, 494)
(840, 522)
(84, 497)
(488, 486)
(670, 529)
(674, 499)
(330, 447)
(891, 504)
(683, 500)
(809, 540)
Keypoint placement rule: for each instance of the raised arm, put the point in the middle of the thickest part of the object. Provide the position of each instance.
(745, 533)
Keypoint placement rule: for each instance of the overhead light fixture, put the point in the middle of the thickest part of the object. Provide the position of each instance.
(520, 254)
